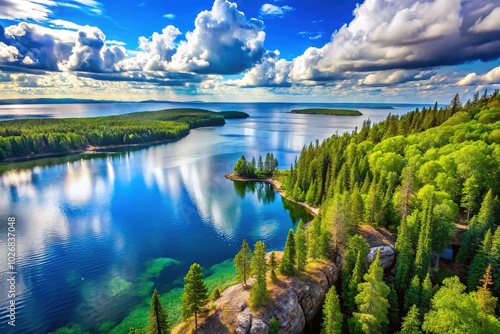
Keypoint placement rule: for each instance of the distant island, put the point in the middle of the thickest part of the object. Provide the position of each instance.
(23, 139)
(321, 111)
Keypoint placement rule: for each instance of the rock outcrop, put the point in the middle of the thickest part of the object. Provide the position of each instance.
(295, 301)
(387, 256)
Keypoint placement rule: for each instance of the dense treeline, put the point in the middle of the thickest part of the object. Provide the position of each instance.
(19, 138)
(262, 168)
(416, 175)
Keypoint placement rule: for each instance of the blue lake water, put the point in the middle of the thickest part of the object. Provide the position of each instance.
(95, 234)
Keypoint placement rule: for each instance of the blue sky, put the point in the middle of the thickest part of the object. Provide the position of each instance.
(274, 50)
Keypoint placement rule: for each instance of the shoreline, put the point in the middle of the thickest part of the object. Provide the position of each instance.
(277, 186)
(88, 150)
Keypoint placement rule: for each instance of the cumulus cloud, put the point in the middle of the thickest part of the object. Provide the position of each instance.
(492, 77)
(224, 41)
(90, 54)
(270, 72)
(268, 9)
(405, 34)
(157, 51)
(33, 46)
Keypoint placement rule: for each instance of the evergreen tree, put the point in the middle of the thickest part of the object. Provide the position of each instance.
(332, 316)
(313, 238)
(301, 246)
(241, 166)
(214, 295)
(412, 295)
(426, 294)
(259, 294)
(394, 319)
(357, 247)
(273, 265)
(289, 255)
(356, 278)
(423, 255)
(480, 261)
(372, 300)
(405, 252)
(274, 326)
(194, 297)
(411, 323)
(487, 302)
(242, 261)
(158, 319)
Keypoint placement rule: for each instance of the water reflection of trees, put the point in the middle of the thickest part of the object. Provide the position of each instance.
(264, 191)
(296, 212)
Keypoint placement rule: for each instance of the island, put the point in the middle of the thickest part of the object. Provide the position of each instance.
(324, 111)
(23, 139)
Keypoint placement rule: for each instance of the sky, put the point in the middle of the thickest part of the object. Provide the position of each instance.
(273, 50)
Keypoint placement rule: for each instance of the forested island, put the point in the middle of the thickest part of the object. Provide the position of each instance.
(24, 138)
(323, 111)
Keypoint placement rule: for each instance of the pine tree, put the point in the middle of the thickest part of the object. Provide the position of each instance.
(372, 300)
(259, 293)
(412, 295)
(356, 247)
(480, 261)
(405, 252)
(423, 255)
(289, 255)
(411, 323)
(195, 296)
(158, 319)
(274, 326)
(394, 319)
(356, 278)
(426, 294)
(313, 238)
(242, 261)
(486, 300)
(273, 265)
(301, 246)
(332, 316)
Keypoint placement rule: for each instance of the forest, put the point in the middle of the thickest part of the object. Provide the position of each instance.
(29, 137)
(423, 176)
(325, 111)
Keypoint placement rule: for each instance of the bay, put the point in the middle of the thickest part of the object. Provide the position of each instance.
(96, 233)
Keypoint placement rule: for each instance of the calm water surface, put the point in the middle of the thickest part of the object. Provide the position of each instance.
(95, 235)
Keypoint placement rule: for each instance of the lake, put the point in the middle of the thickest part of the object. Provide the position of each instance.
(96, 233)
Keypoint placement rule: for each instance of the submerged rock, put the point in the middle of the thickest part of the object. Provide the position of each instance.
(387, 255)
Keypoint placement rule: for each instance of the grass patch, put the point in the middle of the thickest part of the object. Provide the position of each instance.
(321, 111)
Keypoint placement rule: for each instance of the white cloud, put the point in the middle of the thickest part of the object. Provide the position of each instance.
(8, 53)
(37, 10)
(157, 52)
(392, 77)
(489, 23)
(270, 72)
(65, 24)
(492, 77)
(402, 34)
(224, 41)
(169, 16)
(273, 10)
(114, 42)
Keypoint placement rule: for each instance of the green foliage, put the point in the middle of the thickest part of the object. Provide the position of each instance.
(158, 319)
(289, 255)
(242, 261)
(19, 138)
(321, 111)
(372, 315)
(411, 323)
(394, 318)
(259, 294)
(195, 296)
(353, 269)
(426, 294)
(412, 295)
(273, 265)
(214, 295)
(332, 315)
(487, 302)
(454, 311)
(261, 169)
(274, 326)
(301, 246)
